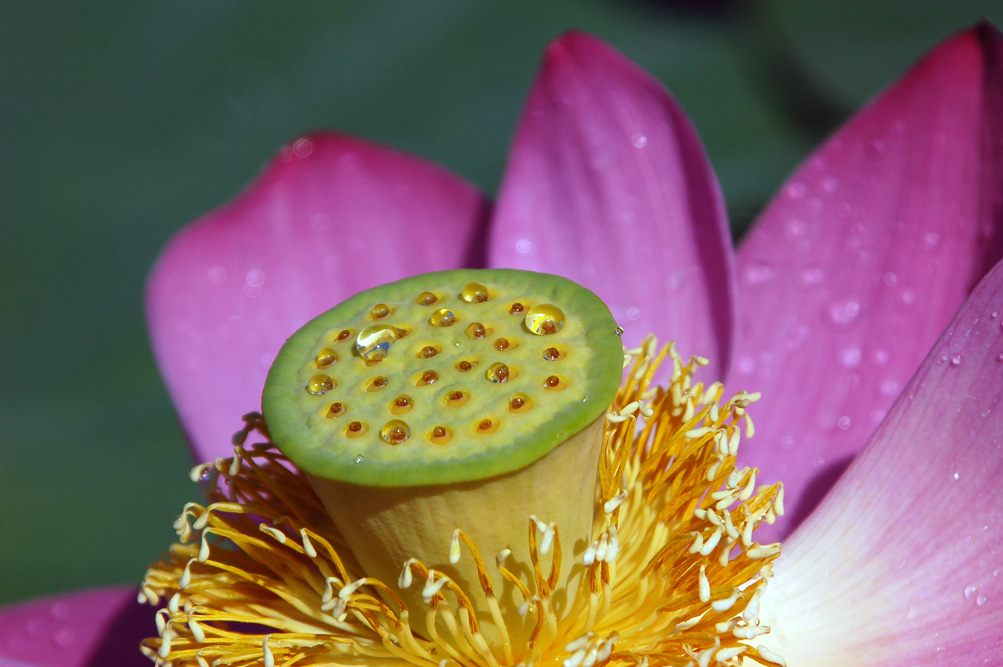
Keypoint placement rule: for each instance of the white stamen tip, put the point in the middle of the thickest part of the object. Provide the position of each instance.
(454, 547)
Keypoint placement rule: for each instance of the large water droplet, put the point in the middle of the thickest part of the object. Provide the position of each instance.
(395, 432)
(320, 384)
(497, 372)
(474, 292)
(373, 343)
(442, 318)
(544, 319)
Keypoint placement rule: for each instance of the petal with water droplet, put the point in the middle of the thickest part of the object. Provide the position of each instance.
(388, 215)
(913, 528)
(95, 627)
(641, 223)
(890, 243)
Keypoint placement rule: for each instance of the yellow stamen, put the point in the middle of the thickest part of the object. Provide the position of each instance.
(672, 575)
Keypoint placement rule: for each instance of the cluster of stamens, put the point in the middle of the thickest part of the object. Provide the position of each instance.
(672, 575)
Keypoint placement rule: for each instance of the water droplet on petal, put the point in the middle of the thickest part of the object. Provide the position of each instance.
(956, 360)
(843, 312)
(545, 319)
(843, 423)
(970, 592)
(932, 239)
(639, 140)
(981, 600)
(373, 343)
(890, 279)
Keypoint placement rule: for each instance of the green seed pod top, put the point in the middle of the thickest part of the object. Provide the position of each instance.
(442, 378)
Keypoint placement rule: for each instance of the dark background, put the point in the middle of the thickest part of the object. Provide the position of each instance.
(121, 121)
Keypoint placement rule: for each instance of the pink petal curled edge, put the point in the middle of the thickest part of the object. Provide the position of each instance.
(88, 629)
(329, 217)
(902, 563)
(608, 184)
(862, 259)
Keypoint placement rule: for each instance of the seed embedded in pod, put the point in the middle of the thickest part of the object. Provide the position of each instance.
(379, 311)
(401, 404)
(516, 309)
(463, 365)
(426, 299)
(344, 335)
(356, 429)
(554, 383)
(377, 383)
(474, 292)
(427, 378)
(486, 426)
(551, 354)
(442, 318)
(320, 384)
(545, 319)
(456, 398)
(502, 344)
(336, 410)
(395, 432)
(497, 372)
(373, 343)
(476, 330)
(439, 435)
(520, 403)
(427, 352)
(325, 358)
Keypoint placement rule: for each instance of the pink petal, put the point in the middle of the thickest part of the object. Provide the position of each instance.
(86, 629)
(902, 564)
(607, 184)
(330, 216)
(859, 263)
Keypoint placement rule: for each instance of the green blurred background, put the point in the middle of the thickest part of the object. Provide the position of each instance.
(122, 121)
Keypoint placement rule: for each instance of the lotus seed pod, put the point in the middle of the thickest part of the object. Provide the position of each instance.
(452, 396)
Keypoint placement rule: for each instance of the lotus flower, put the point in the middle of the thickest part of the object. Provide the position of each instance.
(834, 308)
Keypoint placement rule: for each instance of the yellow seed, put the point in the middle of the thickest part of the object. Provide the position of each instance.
(395, 432)
(520, 403)
(401, 404)
(379, 311)
(440, 435)
(442, 318)
(485, 426)
(544, 319)
(356, 429)
(325, 357)
(476, 330)
(427, 378)
(320, 384)
(474, 293)
(426, 299)
(554, 383)
(497, 372)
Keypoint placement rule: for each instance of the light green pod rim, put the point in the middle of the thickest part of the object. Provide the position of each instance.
(502, 420)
